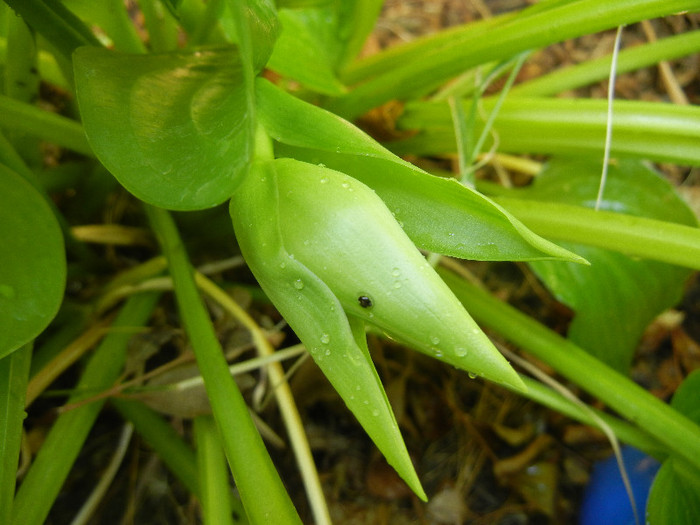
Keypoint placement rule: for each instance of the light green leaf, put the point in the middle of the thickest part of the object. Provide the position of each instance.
(315, 314)
(617, 296)
(172, 128)
(674, 498)
(32, 262)
(439, 215)
(257, 21)
(302, 53)
(345, 235)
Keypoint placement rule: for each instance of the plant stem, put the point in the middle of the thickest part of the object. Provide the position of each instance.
(678, 433)
(538, 26)
(67, 436)
(261, 489)
(14, 373)
(637, 236)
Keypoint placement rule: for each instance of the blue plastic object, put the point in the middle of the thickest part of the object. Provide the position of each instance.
(605, 501)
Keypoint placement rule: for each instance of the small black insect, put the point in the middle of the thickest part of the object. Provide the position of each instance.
(365, 302)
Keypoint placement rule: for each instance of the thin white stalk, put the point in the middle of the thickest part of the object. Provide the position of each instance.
(608, 126)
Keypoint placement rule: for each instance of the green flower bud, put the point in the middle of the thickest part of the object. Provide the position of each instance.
(343, 233)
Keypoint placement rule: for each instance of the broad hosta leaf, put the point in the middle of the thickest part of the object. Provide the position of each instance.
(315, 314)
(32, 262)
(439, 215)
(172, 128)
(617, 296)
(675, 495)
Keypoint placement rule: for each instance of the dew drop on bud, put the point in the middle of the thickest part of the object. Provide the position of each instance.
(298, 284)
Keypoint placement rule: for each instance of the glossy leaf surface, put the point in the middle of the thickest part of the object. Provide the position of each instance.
(438, 214)
(617, 296)
(32, 262)
(172, 128)
(315, 314)
(346, 236)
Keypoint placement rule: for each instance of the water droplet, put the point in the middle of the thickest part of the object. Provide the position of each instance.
(325, 339)
(324, 180)
(475, 331)
(298, 284)
(283, 265)
(435, 340)
(307, 242)
(471, 375)
(345, 185)
(365, 402)
(321, 165)
(460, 351)
(397, 284)
(328, 351)
(438, 353)
(375, 412)
(358, 387)
(396, 272)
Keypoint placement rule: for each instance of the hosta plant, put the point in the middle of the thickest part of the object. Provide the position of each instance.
(248, 108)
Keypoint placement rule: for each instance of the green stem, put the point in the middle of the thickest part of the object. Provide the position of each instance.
(161, 437)
(260, 487)
(39, 123)
(650, 130)
(536, 27)
(624, 431)
(637, 236)
(67, 436)
(212, 473)
(678, 433)
(14, 374)
(596, 70)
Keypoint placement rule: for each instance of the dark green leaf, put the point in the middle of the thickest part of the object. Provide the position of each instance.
(438, 214)
(617, 296)
(32, 262)
(172, 128)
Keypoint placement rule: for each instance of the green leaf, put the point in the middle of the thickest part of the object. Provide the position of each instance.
(650, 130)
(172, 128)
(675, 495)
(343, 233)
(439, 215)
(685, 399)
(617, 296)
(254, 26)
(302, 52)
(32, 262)
(315, 314)
(14, 375)
(674, 498)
